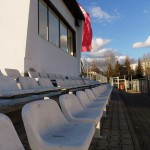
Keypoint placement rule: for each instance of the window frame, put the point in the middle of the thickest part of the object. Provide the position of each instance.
(60, 19)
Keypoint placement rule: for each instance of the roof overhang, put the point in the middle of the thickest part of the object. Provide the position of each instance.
(75, 10)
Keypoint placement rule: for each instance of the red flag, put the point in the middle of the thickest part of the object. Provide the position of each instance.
(87, 32)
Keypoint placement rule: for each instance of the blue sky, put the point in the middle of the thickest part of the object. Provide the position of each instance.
(119, 26)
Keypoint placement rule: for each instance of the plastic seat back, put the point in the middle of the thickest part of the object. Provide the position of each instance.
(95, 91)
(90, 94)
(83, 98)
(51, 76)
(41, 118)
(14, 73)
(43, 74)
(8, 84)
(9, 139)
(28, 83)
(70, 105)
(45, 83)
(1, 74)
(33, 74)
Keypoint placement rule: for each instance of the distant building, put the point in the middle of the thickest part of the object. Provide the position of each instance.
(42, 34)
(134, 66)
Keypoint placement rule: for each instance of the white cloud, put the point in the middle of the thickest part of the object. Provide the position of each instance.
(102, 16)
(121, 58)
(142, 44)
(99, 43)
(146, 11)
(101, 52)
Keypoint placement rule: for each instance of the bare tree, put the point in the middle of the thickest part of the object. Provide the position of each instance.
(110, 57)
(94, 66)
(109, 72)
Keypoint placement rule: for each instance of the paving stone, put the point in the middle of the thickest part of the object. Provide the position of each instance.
(125, 136)
(115, 148)
(127, 147)
(115, 138)
(101, 148)
(114, 143)
(138, 107)
(127, 141)
(115, 132)
(124, 130)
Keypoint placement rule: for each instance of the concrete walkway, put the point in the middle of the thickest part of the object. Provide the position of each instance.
(138, 106)
(117, 128)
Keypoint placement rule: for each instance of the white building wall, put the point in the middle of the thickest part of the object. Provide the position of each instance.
(21, 46)
(13, 31)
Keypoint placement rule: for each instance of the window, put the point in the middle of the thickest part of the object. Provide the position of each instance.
(63, 37)
(54, 28)
(43, 28)
(70, 42)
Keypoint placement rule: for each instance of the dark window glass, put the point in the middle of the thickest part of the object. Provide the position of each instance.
(70, 42)
(43, 28)
(53, 28)
(63, 37)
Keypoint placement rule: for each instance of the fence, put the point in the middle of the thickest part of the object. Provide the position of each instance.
(96, 76)
(141, 85)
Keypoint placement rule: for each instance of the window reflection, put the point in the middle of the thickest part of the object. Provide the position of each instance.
(43, 28)
(63, 37)
(70, 42)
(53, 28)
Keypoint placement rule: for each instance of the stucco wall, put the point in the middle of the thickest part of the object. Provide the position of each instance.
(13, 31)
(23, 48)
(44, 56)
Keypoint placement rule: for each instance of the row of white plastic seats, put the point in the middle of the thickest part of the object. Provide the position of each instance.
(90, 82)
(70, 83)
(48, 129)
(59, 78)
(33, 74)
(75, 77)
(16, 74)
(11, 72)
(54, 128)
(54, 132)
(80, 109)
(102, 91)
(29, 86)
(51, 76)
(9, 87)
